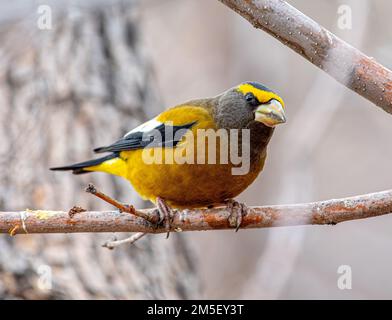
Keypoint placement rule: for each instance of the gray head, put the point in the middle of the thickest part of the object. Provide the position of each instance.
(250, 101)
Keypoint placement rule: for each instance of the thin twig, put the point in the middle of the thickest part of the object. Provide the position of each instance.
(323, 212)
(152, 217)
(111, 244)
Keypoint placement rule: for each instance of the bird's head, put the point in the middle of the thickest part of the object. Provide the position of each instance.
(249, 101)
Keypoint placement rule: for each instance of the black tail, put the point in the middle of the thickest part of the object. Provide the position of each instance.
(78, 168)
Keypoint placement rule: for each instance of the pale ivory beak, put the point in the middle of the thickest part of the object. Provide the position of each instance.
(270, 113)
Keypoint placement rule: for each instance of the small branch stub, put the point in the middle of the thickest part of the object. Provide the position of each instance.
(111, 244)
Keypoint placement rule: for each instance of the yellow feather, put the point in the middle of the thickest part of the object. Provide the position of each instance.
(185, 114)
(185, 185)
(261, 95)
(116, 166)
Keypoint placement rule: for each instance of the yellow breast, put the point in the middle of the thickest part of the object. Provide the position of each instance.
(158, 172)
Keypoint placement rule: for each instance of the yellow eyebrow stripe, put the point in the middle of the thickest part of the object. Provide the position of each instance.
(261, 95)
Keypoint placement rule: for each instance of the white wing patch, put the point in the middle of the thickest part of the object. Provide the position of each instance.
(145, 127)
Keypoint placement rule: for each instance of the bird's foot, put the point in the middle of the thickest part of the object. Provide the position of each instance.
(166, 214)
(237, 212)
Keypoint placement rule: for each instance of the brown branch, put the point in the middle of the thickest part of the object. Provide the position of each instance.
(340, 60)
(323, 212)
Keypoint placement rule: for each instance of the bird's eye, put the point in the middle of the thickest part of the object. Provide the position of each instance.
(251, 99)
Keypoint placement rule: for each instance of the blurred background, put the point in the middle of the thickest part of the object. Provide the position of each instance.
(106, 66)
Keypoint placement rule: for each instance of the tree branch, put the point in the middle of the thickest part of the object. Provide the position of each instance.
(316, 213)
(340, 60)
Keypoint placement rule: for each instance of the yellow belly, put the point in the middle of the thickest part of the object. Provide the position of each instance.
(187, 185)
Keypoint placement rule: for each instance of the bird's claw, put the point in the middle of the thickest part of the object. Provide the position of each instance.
(237, 211)
(165, 214)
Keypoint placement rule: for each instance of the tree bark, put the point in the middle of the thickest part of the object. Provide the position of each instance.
(64, 91)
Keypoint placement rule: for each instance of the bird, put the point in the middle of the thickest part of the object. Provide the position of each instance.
(248, 113)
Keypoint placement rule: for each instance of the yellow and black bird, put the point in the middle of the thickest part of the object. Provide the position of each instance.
(249, 106)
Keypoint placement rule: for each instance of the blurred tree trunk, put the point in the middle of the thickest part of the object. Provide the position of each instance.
(64, 91)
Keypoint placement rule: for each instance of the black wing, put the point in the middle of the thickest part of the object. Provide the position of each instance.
(160, 136)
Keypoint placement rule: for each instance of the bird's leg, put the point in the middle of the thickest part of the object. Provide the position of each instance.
(122, 207)
(237, 212)
(165, 214)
